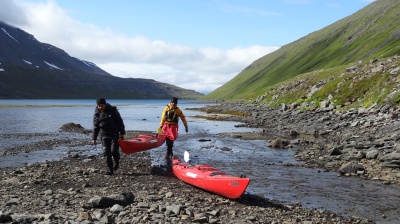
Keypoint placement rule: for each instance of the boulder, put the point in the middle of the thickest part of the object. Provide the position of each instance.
(123, 199)
(350, 168)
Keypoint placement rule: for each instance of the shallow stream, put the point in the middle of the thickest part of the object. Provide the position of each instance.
(274, 174)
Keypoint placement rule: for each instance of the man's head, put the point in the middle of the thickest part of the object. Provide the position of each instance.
(174, 100)
(101, 103)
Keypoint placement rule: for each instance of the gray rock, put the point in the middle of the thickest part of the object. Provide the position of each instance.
(5, 217)
(372, 154)
(390, 156)
(391, 164)
(200, 218)
(169, 194)
(350, 168)
(116, 208)
(123, 199)
(12, 201)
(107, 219)
(394, 71)
(336, 151)
(176, 209)
(20, 218)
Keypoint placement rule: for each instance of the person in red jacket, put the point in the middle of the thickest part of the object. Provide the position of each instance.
(169, 124)
(108, 123)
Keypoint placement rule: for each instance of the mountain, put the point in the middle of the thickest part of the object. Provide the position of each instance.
(372, 32)
(30, 69)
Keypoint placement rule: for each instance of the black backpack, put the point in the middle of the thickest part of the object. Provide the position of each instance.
(171, 116)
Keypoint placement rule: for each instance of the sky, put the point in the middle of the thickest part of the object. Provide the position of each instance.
(193, 44)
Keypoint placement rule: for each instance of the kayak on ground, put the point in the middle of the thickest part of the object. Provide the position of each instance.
(209, 178)
(141, 143)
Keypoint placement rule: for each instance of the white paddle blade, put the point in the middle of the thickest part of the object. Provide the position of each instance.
(186, 156)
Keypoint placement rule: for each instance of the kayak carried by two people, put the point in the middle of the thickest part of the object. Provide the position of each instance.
(141, 143)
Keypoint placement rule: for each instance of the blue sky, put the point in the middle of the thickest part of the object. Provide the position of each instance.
(194, 44)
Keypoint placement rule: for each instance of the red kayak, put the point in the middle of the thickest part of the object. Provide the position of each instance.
(210, 179)
(141, 143)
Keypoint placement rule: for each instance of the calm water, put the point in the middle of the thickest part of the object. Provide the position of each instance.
(270, 170)
(49, 115)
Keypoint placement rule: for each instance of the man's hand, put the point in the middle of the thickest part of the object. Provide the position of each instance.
(186, 129)
(94, 142)
(121, 137)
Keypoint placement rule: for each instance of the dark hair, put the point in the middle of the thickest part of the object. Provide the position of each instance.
(101, 101)
(175, 100)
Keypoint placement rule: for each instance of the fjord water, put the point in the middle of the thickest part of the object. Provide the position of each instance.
(274, 173)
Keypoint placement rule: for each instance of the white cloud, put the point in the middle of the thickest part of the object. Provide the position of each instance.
(10, 12)
(202, 69)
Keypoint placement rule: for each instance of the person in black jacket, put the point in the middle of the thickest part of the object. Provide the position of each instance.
(108, 123)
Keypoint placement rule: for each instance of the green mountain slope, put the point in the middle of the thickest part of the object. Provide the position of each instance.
(372, 32)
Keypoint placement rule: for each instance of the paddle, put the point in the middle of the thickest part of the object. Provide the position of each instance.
(186, 156)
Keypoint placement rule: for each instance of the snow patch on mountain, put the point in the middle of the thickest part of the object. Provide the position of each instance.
(28, 62)
(53, 66)
(9, 34)
(90, 64)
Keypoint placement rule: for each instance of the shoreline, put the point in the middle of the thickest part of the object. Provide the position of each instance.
(64, 191)
(352, 143)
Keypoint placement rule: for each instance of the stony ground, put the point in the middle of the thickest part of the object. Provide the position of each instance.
(76, 190)
(359, 142)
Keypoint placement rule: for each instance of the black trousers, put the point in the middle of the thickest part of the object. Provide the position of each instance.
(110, 151)
(169, 144)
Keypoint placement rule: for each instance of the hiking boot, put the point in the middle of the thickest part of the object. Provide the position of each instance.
(109, 173)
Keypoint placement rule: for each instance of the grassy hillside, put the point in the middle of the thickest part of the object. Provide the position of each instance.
(365, 84)
(372, 32)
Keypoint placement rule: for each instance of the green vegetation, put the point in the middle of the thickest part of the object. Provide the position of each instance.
(321, 59)
(358, 89)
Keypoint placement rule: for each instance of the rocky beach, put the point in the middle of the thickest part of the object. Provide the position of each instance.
(360, 143)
